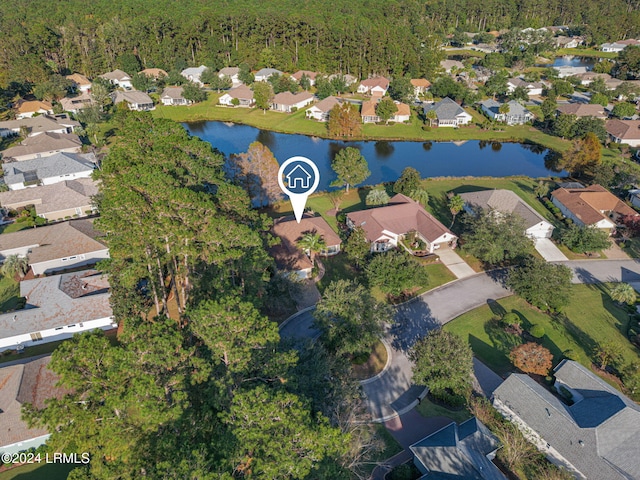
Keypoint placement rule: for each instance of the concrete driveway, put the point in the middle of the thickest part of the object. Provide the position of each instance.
(455, 263)
(549, 251)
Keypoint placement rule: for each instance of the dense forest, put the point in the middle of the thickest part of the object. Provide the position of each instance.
(40, 37)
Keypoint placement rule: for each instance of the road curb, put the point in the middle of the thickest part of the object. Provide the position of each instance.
(386, 365)
(404, 410)
(295, 315)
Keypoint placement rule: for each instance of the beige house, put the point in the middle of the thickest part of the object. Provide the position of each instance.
(368, 111)
(243, 94)
(420, 85)
(289, 102)
(154, 73)
(321, 110)
(82, 83)
(173, 96)
(376, 86)
(119, 78)
(75, 104)
(624, 131)
(33, 126)
(28, 108)
(137, 101)
(41, 146)
(583, 110)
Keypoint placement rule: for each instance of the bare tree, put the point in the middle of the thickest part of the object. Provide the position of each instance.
(257, 171)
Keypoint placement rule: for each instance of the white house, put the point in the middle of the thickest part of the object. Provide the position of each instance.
(321, 110)
(619, 46)
(119, 78)
(376, 86)
(42, 146)
(532, 88)
(193, 74)
(232, 73)
(46, 171)
(448, 113)
(173, 96)
(403, 113)
(517, 114)
(82, 83)
(263, 74)
(33, 126)
(28, 108)
(624, 131)
(565, 71)
(289, 102)
(137, 101)
(58, 307)
(242, 93)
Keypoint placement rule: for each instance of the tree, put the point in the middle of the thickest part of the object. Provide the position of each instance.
(599, 99)
(128, 63)
(431, 116)
(351, 167)
(563, 125)
(245, 75)
(496, 85)
(504, 108)
(583, 156)
(609, 353)
(15, 265)
(409, 181)
(400, 89)
(585, 125)
(357, 247)
(542, 189)
(305, 82)
(447, 87)
(561, 88)
(312, 243)
(623, 293)
(140, 81)
(421, 196)
(582, 239)
(283, 83)
(193, 92)
(339, 84)
(324, 88)
(54, 89)
(449, 381)
(257, 172)
(628, 62)
(262, 94)
(220, 83)
(532, 357)
(520, 94)
(267, 58)
(496, 238)
(349, 318)
(386, 109)
(548, 108)
(208, 76)
(395, 272)
(377, 196)
(344, 120)
(624, 110)
(455, 204)
(544, 285)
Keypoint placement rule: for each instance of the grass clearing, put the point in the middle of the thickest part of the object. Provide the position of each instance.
(585, 52)
(427, 409)
(9, 294)
(373, 365)
(39, 471)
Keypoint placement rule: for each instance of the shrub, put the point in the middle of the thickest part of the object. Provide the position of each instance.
(511, 319)
(537, 331)
(532, 358)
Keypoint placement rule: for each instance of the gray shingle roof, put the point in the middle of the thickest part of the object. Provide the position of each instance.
(515, 108)
(598, 434)
(446, 109)
(267, 72)
(49, 167)
(133, 97)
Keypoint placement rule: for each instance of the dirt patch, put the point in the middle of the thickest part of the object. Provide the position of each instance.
(373, 365)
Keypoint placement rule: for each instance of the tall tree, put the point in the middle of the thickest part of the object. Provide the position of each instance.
(357, 247)
(583, 156)
(408, 182)
(312, 243)
(15, 265)
(263, 94)
(386, 109)
(456, 205)
(395, 272)
(193, 92)
(544, 285)
(400, 89)
(344, 121)
(257, 172)
(623, 293)
(351, 167)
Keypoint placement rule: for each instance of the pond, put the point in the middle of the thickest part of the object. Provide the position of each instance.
(387, 159)
(570, 61)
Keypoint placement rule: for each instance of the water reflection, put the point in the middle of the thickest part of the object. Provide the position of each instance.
(384, 149)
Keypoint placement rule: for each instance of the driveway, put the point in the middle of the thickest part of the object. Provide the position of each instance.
(455, 263)
(549, 251)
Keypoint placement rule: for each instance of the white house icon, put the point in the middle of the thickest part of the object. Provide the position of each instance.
(298, 178)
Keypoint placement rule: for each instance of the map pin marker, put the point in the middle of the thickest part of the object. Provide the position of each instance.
(298, 177)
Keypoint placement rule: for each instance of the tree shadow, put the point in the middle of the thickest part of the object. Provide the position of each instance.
(489, 355)
(440, 209)
(497, 309)
(414, 320)
(581, 337)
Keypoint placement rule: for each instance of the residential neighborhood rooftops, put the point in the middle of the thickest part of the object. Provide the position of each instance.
(229, 71)
(78, 79)
(504, 201)
(381, 82)
(591, 204)
(154, 72)
(515, 108)
(325, 105)
(39, 124)
(449, 64)
(241, 91)
(420, 82)
(446, 109)
(117, 75)
(583, 110)
(288, 98)
(624, 129)
(402, 109)
(56, 165)
(52, 198)
(31, 106)
(46, 142)
(57, 301)
(298, 75)
(172, 92)
(368, 108)
(133, 97)
(267, 72)
(521, 82)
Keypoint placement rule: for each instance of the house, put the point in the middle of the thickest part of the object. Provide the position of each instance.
(137, 101)
(583, 110)
(588, 77)
(455, 451)
(517, 114)
(290, 102)
(624, 131)
(420, 86)
(77, 103)
(46, 171)
(368, 111)
(80, 82)
(119, 79)
(28, 108)
(506, 201)
(58, 307)
(532, 88)
(173, 96)
(42, 146)
(449, 65)
(56, 247)
(403, 114)
(154, 73)
(61, 200)
(482, 73)
(28, 380)
(288, 256)
(243, 94)
(232, 73)
(310, 75)
(385, 226)
(564, 71)
(376, 86)
(588, 427)
(593, 205)
(485, 48)
(562, 41)
(614, 83)
(348, 79)
(448, 113)
(321, 110)
(33, 126)
(263, 74)
(619, 45)
(193, 74)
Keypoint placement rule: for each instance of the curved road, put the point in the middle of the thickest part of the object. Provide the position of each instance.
(393, 393)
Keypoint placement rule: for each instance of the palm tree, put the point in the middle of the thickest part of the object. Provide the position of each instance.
(377, 196)
(456, 204)
(623, 293)
(312, 243)
(504, 109)
(421, 196)
(431, 116)
(541, 189)
(15, 264)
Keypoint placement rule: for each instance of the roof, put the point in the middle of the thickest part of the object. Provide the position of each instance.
(327, 104)
(241, 92)
(117, 74)
(52, 198)
(504, 201)
(154, 72)
(420, 82)
(446, 109)
(172, 92)
(30, 381)
(267, 72)
(598, 434)
(46, 142)
(624, 129)
(193, 71)
(133, 97)
(449, 64)
(77, 102)
(515, 108)
(588, 204)
(78, 79)
(403, 109)
(29, 106)
(298, 75)
(400, 216)
(288, 98)
(376, 82)
(40, 124)
(582, 110)
(53, 166)
(229, 71)
(630, 41)
(369, 108)
(288, 255)
(459, 452)
(52, 242)
(520, 82)
(58, 301)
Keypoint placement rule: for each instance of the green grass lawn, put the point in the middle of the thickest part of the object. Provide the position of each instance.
(39, 471)
(427, 409)
(591, 319)
(9, 294)
(585, 52)
(14, 227)
(632, 247)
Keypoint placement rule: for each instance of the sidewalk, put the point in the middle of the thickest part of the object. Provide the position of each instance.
(455, 263)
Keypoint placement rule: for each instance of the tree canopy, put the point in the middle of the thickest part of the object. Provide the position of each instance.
(351, 167)
(544, 285)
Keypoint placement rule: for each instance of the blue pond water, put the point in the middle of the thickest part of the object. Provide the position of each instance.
(386, 159)
(571, 61)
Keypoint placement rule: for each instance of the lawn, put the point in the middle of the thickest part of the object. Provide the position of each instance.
(39, 471)
(14, 227)
(585, 52)
(427, 409)
(9, 294)
(591, 319)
